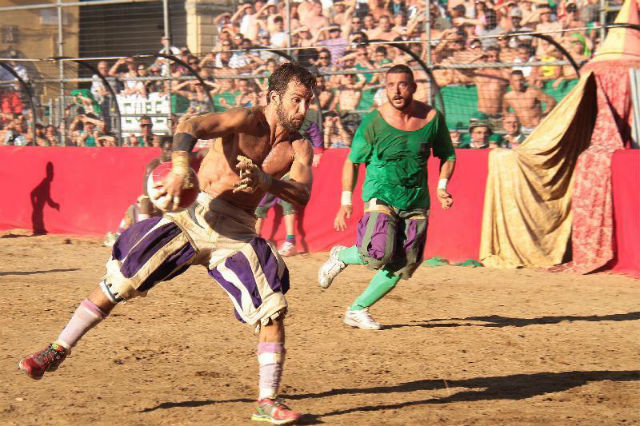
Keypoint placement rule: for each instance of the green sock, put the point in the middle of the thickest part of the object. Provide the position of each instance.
(350, 256)
(381, 283)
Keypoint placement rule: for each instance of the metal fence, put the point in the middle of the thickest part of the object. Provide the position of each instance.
(114, 62)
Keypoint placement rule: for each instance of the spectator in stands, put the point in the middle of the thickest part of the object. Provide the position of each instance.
(349, 93)
(167, 49)
(87, 128)
(380, 58)
(576, 48)
(311, 16)
(39, 138)
(16, 131)
(490, 28)
(547, 22)
(571, 21)
(354, 25)
(492, 85)
(513, 137)
(335, 133)
(10, 100)
(507, 53)
(400, 26)
(246, 94)
(242, 61)
(51, 134)
(131, 87)
(279, 37)
(526, 102)
(385, 30)
(370, 24)
(340, 14)
(516, 27)
(335, 43)
(479, 132)
(224, 95)
(223, 21)
(325, 96)
(324, 60)
(101, 92)
(377, 8)
(146, 131)
(248, 21)
(397, 7)
(195, 93)
(523, 56)
(545, 73)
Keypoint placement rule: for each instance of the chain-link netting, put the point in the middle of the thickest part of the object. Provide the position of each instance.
(494, 68)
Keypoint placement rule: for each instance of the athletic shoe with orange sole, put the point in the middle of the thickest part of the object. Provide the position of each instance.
(275, 412)
(47, 359)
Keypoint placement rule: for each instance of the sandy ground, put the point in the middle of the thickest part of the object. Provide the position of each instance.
(461, 347)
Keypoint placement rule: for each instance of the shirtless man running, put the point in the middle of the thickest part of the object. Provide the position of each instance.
(526, 102)
(256, 148)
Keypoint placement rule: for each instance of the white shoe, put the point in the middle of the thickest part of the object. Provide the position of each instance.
(331, 268)
(287, 249)
(361, 319)
(110, 239)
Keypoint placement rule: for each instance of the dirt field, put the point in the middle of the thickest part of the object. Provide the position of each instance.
(461, 347)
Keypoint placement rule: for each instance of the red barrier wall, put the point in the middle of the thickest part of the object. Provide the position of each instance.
(93, 187)
(625, 179)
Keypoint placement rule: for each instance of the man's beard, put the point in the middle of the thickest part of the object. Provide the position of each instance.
(404, 106)
(288, 124)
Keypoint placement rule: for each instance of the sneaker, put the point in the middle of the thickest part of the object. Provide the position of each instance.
(47, 359)
(110, 239)
(287, 249)
(331, 268)
(361, 319)
(274, 411)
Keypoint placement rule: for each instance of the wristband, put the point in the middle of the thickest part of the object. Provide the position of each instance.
(184, 142)
(442, 184)
(267, 181)
(346, 198)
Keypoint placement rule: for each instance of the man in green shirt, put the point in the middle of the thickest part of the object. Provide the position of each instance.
(394, 142)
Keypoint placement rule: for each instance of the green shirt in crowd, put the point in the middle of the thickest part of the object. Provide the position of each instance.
(397, 159)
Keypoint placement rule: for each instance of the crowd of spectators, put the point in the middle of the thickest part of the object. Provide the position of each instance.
(336, 40)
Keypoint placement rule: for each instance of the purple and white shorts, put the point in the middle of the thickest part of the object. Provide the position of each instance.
(214, 234)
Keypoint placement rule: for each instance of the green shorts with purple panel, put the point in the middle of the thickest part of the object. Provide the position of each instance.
(391, 238)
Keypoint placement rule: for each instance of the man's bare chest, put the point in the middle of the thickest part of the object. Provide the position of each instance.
(273, 159)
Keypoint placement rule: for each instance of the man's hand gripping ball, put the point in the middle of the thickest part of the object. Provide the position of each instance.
(173, 186)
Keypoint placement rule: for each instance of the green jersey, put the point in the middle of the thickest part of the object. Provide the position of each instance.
(397, 159)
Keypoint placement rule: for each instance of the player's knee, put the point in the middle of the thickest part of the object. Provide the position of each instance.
(110, 292)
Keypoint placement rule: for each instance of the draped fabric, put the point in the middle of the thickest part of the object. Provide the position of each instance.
(593, 242)
(527, 211)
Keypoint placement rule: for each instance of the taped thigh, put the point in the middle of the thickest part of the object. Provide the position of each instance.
(150, 251)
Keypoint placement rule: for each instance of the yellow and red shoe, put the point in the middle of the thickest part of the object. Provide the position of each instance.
(275, 412)
(47, 359)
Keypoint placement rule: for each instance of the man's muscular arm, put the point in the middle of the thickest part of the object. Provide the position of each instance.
(296, 190)
(206, 126)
